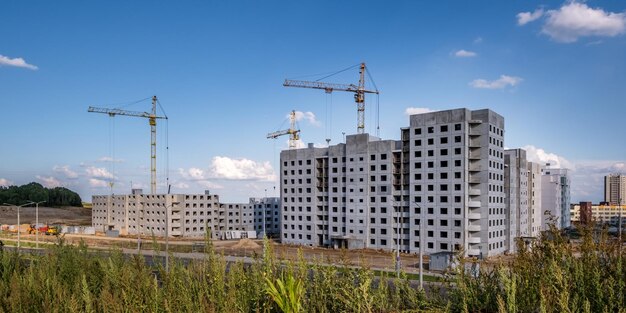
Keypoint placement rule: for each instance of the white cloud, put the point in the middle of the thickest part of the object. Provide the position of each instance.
(5, 182)
(588, 178)
(574, 20)
(109, 159)
(66, 171)
(241, 169)
(17, 62)
(500, 83)
(181, 185)
(209, 185)
(192, 173)
(524, 18)
(97, 183)
(99, 173)
(478, 40)
(309, 116)
(49, 182)
(465, 54)
(540, 156)
(195, 176)
(412, 111)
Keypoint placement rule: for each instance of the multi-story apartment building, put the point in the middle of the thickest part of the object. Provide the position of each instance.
(267, 209)
(599, 213)
(440, 188)
(615, 189)
(535, 210)
(555, 197)
(188, 215)
(516, 190)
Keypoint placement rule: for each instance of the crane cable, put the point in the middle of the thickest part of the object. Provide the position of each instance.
(111, 152)
(369, 75)
(167, 146)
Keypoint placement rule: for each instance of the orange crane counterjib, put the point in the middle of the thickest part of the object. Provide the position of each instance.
(114, 112)
(328, 87)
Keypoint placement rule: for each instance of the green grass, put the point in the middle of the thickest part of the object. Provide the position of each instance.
(550, 277)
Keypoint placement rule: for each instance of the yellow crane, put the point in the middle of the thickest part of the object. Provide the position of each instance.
(152, 117)
(359, 92)
(294, 134)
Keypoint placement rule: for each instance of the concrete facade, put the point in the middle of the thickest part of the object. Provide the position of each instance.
(555, 198)
(535, 210)
(188, 215)
(516, 188)
(445, 174)
(271, 206)
(615, 189)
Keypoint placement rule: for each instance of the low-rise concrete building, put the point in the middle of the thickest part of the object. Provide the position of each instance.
(183, 215)
(599, 213)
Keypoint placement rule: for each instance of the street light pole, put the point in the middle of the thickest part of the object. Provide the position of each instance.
(37, 222)
(18, 220)
(263, 207)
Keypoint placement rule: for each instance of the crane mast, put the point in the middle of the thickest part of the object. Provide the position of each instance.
(358, 90)
(294, 134)
(152, 117)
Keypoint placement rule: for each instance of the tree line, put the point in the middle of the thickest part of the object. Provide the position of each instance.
(54, 197)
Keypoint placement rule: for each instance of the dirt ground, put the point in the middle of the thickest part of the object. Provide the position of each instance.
(72, 216)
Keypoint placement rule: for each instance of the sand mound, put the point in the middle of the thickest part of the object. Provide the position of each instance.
(246, 244)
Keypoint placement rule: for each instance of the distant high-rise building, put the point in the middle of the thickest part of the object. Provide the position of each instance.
(439, 188)
(555, 197)
(615, 189)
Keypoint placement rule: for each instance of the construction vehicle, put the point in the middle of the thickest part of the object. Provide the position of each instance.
(53, 230)
(359, 91)
(32, 229)
(293, 133)
(152, 117)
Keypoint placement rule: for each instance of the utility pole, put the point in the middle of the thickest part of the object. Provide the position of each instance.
(37, 221)
(18, 220)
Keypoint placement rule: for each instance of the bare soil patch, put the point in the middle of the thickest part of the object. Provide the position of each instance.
(73, 216)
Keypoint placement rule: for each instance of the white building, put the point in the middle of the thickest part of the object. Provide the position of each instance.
(446, 174)
(188, 215)
(555, 197)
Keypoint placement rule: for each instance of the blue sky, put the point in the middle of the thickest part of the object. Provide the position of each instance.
(556, 71)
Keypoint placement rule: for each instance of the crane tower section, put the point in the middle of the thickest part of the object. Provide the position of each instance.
(294, 134)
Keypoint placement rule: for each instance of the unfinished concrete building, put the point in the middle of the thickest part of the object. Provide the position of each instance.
(188, 215)
(444, 177)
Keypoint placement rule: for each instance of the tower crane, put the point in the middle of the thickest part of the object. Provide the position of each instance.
(358, 90)
(294, 134)
(152, 117)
